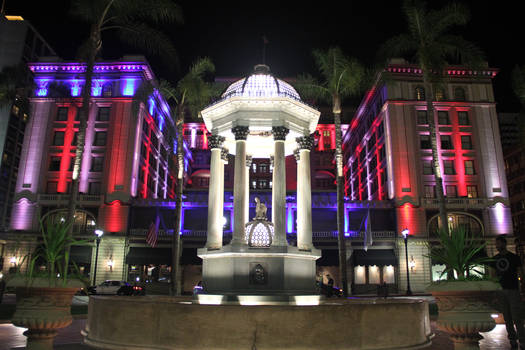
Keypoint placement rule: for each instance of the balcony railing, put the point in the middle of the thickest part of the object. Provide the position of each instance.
(61, 197)
(455, 202)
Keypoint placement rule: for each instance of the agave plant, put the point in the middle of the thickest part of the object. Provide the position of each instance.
(54, 252)
(459, 252)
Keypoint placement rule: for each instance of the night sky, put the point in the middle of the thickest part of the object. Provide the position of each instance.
(230, 34)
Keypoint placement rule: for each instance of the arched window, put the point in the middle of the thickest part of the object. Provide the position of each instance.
(457, 220)
(420, 93)
(459, 94)
(84, 223)
(324, 180)
(200, 178)
(107, 90)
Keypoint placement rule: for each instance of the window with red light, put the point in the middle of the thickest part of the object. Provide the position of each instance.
(469, 167)
(97, 164)
(428, 168)
(463, 118)
(100, 138)
(61, 114)
(430, 191)
(449, 167)
(472, 191)
(58, 138)
(443, 118)
(103, 114)
(54, 163)
(466, 142)
(422, 117)
(439, 94)
(446, 142)
(451, 191)
(424, 142)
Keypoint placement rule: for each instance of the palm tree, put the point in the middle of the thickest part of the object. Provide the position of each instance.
(432, 47)
(191, 94)
(341, 77)
(131, 20)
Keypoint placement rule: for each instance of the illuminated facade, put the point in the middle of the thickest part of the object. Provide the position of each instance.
(127, 153)
(388, 162)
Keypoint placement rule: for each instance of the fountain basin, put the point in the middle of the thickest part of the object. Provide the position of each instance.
(158, 322)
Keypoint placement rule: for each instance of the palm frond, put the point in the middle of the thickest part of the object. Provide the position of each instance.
(152, 40)
(156, 11)
(310, 88)
(88, 10)
(464, 52)
(450, 15)
(398, 46)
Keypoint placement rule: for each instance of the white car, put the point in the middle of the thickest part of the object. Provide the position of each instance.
(112, 287)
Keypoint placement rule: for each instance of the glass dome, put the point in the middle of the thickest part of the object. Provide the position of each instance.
(259, 233)
(261, 84)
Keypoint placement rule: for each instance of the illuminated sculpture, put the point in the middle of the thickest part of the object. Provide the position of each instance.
(259, 232)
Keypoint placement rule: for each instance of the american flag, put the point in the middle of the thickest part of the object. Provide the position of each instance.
(153, 231)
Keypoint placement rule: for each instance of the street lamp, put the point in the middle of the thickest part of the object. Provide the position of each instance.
(99, 234)
(405, 234)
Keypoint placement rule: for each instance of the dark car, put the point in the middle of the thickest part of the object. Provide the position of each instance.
(331, 291)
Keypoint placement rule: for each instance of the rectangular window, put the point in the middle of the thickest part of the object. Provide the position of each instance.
(97, 164)
(449, 167)
(428, 169)
(472, 191)
(103, 114)
(446, 142)
(451, 191)
(263, 168)
(54, 164)
(424, 142)
(443, 118)
(94, 188)
(100, 138)
(61, 114)
(463, 118)
(430, 191)
(466, 142)
(52, 187)
(58, 138)
(469, 167)
(422, 118)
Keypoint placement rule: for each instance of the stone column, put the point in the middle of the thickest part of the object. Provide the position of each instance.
(224, 157)
(239, 184)
(279, 186)
(247, 193)
(304, 194)
(215, 193)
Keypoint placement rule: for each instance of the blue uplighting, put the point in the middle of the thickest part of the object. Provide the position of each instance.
(129, 86)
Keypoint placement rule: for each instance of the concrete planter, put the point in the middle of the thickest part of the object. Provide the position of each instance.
(42, 309)
(465, 309)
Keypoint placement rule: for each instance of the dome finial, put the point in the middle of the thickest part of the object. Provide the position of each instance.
(261, 69)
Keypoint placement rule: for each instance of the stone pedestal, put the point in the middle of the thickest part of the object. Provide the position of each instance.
(276, 270)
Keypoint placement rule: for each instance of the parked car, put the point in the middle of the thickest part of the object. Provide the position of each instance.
(118, 288)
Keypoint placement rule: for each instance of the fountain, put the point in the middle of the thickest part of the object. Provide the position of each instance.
(259, 292)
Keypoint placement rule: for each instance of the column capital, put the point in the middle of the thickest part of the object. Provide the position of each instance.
(297, 154)
(249, 160)
(240, 132)
(224, 153)
(279, 133)
(215, 141)
(305, 142)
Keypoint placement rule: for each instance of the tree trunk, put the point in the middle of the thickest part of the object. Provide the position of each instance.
(340, 195)
(94, 47)
(175, 286)
(429, 96)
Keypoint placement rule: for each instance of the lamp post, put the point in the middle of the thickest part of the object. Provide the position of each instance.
(405, 234)
(99, 234)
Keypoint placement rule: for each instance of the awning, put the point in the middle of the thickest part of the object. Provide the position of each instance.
(80, 254)
(378, 257)
(147, 256)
